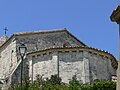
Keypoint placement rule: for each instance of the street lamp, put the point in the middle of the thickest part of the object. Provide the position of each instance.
(115, 17)
(22, 51)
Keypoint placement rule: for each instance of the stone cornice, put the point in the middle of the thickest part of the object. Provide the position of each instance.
(89, 49)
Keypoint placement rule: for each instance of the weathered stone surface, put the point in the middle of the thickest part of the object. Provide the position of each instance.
(54, 52)
(3, 39)
(72, 62)
(100, 68)
(8, 59)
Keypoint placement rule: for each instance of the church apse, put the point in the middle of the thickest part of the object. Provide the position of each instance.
(56, 52)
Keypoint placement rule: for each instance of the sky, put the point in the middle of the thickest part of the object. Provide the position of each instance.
(88, 20)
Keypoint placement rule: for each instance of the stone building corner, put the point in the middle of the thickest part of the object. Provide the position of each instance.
(3, 39)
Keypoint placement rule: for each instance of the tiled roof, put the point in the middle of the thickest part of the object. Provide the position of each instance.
(42, 32)
(48, 31)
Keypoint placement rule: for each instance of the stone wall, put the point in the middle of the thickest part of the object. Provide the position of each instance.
(3, 39)
(44, 65)
(100, 67)
(85, 65)
(70, 64)
(8, 58)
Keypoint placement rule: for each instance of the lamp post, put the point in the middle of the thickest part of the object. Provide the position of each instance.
(22, 51)
(115, 17)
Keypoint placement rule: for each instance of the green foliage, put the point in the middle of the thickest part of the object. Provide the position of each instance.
(54, 80)
(104, 85)
(74, 84)
(54, 83)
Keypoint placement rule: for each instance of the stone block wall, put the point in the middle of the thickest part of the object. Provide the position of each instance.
(8, 58)
(69, 62)
(3, 39)
(44, 64)
(100, 67)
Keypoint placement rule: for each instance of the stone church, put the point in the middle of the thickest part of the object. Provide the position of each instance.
(51, 52)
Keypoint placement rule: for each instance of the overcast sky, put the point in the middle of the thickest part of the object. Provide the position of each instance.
(88, 20)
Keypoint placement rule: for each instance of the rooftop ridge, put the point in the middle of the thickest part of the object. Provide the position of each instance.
(40, 31)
